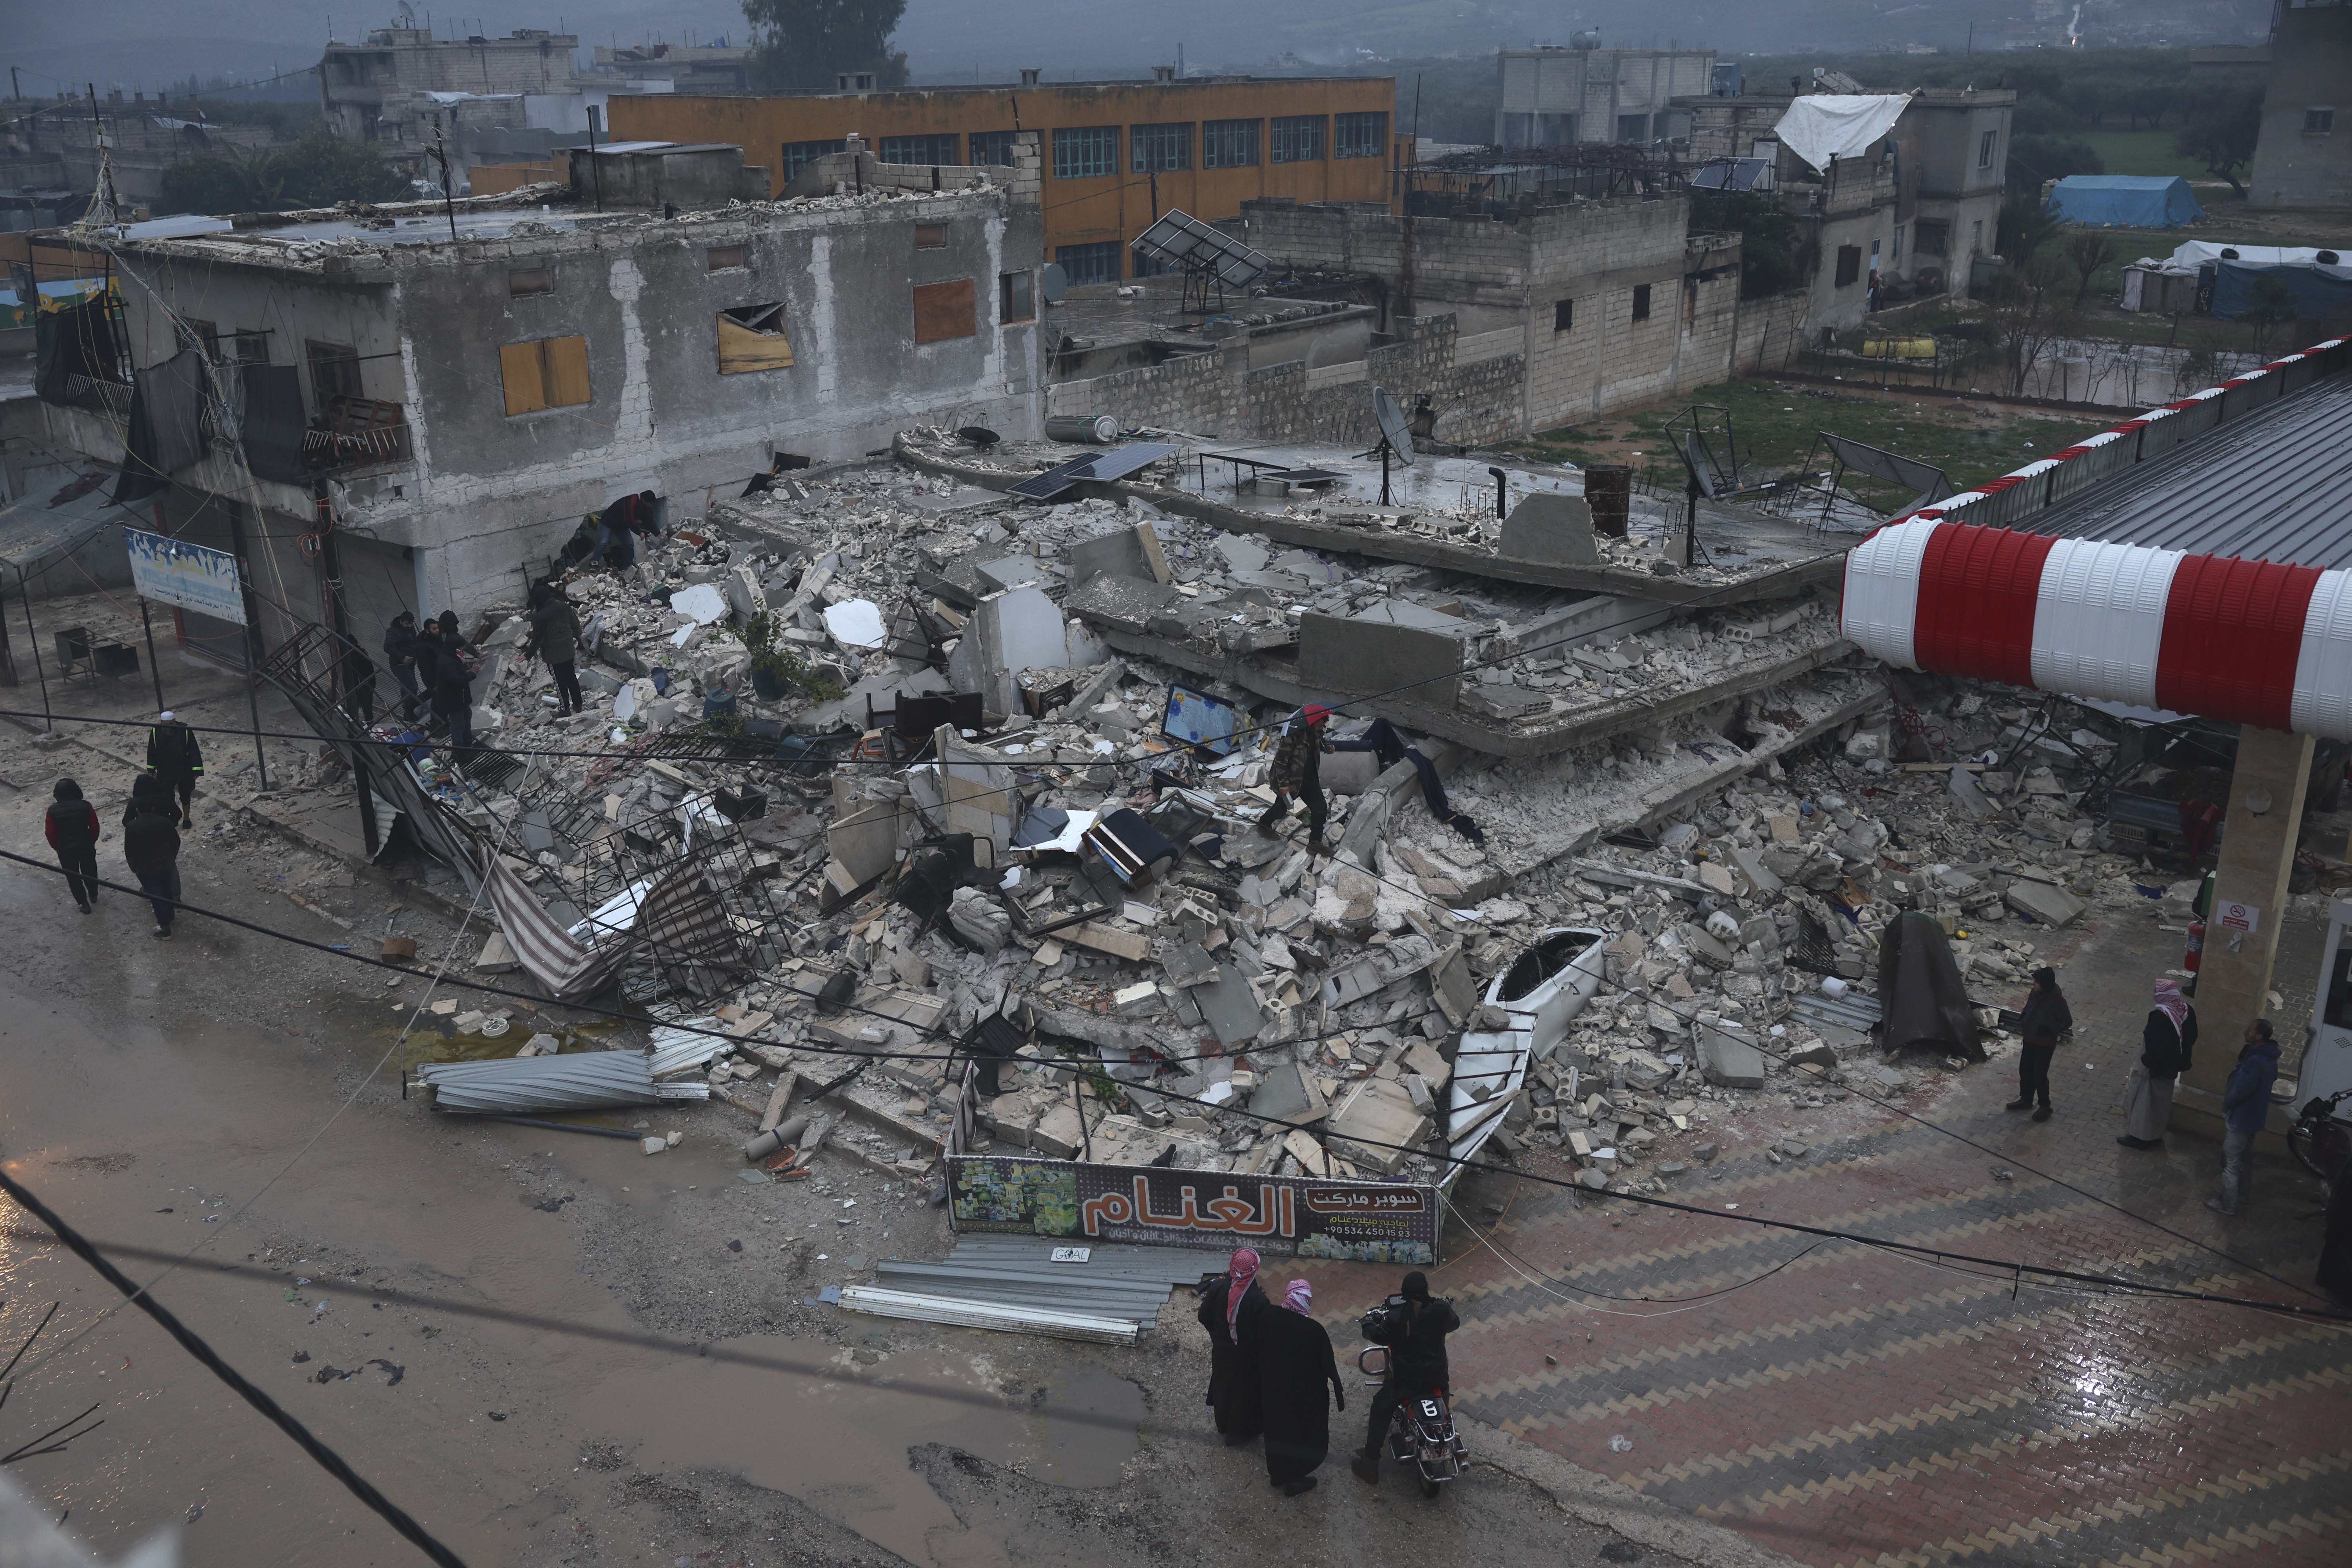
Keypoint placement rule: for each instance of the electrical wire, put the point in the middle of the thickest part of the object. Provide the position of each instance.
(325, 1457)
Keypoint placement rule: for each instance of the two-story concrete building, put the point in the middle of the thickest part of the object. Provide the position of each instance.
(1920, 204)
(1558, 97)
(2304, 158)
(450, 408)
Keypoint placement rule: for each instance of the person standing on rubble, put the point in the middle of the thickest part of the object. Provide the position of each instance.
(453, 684)
(73, 831)
(400, 654)
(2046, 1016)
(1229, 1310)
(555, 637)
(1414, 1328)
(2164, 1041)
(174, 757)
(1295, 1360)
(151, 847)
(1298, 772)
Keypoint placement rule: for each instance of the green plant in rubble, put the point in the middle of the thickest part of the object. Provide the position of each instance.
(771, 655)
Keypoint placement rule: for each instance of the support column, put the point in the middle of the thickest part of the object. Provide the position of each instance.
(2233, 978)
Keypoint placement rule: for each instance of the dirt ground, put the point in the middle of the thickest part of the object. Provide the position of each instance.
(547, 1347)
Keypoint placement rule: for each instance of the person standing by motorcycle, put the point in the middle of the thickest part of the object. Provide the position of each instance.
(1414, 1327)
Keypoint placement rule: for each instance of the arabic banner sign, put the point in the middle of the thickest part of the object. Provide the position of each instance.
(1358, 1222)
(187, 576)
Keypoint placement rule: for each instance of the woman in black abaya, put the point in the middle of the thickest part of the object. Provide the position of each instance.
(1295, 1360)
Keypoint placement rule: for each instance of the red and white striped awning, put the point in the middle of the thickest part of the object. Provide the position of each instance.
(2253, 642)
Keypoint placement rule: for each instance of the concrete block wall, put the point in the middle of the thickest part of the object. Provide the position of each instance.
(1769, 332)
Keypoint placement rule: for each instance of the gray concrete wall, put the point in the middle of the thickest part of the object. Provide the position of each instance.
(485, 491)
(2311, 68)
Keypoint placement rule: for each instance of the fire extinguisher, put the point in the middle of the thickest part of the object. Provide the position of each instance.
(2195, 946)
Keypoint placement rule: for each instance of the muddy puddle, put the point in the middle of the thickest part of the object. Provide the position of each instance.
(815, 1422)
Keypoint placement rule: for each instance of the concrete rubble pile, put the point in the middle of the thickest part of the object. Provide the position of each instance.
(1239, 1005)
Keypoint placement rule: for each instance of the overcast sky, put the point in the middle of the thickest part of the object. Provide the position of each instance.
(143, 45)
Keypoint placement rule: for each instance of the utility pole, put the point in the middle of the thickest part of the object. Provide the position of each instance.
(595, 167)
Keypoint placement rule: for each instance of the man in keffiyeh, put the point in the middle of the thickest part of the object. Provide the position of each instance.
(2164, 1041)
(1232, 1310)
(1294, 1362)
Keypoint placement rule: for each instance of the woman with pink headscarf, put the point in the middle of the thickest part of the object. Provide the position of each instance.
(1232, 1310)
(2164, 1041)
(1294, 1362)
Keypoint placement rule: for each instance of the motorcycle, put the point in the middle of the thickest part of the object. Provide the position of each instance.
(2321, 1142)
(1421, 1434)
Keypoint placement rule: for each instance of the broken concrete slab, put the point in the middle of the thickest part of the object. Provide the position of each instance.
(496, 957)
(1287, 1092)
(1347, 653)
(2043, 903)
(1550, 527)
(1731, 1058)
(1376, 1125)
(1018, 629)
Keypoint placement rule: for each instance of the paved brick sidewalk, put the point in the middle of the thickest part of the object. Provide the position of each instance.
(1861, 1408)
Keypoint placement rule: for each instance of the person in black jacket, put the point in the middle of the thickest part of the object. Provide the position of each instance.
(173, 757)
(151, 847)
(400, 652)
(1229, 1310)
(555, 636)
(2164, 1041)
(453, 688)
(73, 832)
(1417, 1367)
(1295, 1360)
(2046, 1017)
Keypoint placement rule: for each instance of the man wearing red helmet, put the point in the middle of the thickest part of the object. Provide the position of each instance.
(1298, 772)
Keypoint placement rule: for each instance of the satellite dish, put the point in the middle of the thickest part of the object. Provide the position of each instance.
(1052, 282)
(1394, 426)
(979, 436)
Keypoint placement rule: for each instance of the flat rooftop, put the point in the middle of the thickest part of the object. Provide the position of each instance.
(2275, 485)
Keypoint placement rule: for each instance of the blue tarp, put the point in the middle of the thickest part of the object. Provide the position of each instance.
(2324, 294)
(2131, 201)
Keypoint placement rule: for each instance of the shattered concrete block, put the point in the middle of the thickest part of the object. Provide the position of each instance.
(1132, 946)
(1302, 1147)
(1732, 1060)
(1018, 629)
(1717, 879)
(745, 596)
(1815, 1055)
(864, 841)
(981, 920)
(1059, 1133)
(1123, 552)
(1136, 1001)
(496, 957)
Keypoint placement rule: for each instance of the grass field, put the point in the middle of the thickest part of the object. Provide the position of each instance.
(2142, 152)
(1775, 425)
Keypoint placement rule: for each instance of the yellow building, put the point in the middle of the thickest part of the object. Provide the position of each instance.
(1114, 154)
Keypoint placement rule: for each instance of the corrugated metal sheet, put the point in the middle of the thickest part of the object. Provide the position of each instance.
(1016, 1276)
(879, 1302)
(677, 1049)
(2274, 484)
(588, 1080)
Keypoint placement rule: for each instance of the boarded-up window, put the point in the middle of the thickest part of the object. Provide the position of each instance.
(943, 311)
(930, 237)
(527, 280)
(550, 373)
(752, 337)
(723, 257)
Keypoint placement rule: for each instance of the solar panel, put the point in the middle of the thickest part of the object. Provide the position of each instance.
(1114, 464)
(1184, 241)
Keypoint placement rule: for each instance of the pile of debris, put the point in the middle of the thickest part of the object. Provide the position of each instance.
(978, 881)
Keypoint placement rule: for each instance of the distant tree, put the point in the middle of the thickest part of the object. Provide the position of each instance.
(2024, 227)
(802, 43)
(1775, 253)
(2030, 311)
(2274, 305)
(323, 169)
(2034, 161)
(2090, 100)
(318, 170)
(2153, 98)
(2040, 114)
(2221, 133)
(2088, 251)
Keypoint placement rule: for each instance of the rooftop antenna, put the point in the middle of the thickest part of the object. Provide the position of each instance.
(1396, 435)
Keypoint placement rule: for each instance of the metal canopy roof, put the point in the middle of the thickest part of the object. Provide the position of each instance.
(2275, 485)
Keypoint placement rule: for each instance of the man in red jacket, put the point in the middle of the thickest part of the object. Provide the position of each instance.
(73, 832)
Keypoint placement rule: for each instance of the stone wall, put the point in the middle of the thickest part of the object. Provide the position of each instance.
(1216, 394)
